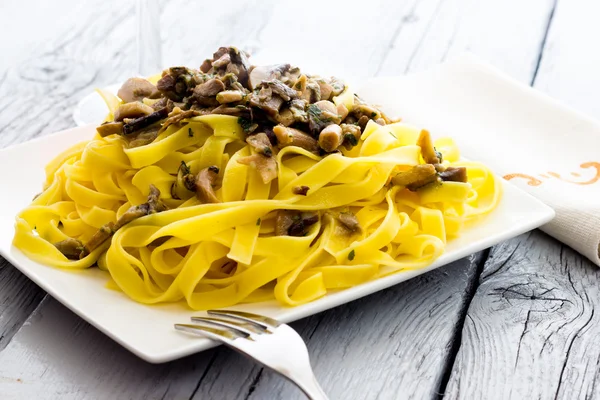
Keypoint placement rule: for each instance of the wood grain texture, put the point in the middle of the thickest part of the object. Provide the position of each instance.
(531, 330)
(385, 345)
(399, 343)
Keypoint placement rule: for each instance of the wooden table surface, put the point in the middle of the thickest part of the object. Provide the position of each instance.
(518, 321)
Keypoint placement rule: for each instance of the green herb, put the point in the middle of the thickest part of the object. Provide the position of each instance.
(245, 123)
(267, 151)
(298, 85)
(190, 132)
(373, 114)
(314, 111)
(258, 222)
(351, 255)
(351, 139)
(393, 135)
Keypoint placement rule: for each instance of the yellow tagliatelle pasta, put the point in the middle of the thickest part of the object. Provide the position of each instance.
(180, 254)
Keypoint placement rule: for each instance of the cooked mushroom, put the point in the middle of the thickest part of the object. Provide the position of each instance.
(135, 89)
(261, 144)
(416, 177)
(284, 91)
(321, 114)
(102, 235)
(144, 137)
(176, 83)
(265, 166)
(311, 92)
(184, 186)
(110, 128)
(454, 174)
(205, 93)
(337, 86)
(430, 155)
(229, 96)
(70, 248)
(135, 109)
(300, 190)
(294, 223)
(331, 138)
(325, 88)
(298, 109)
(266, 73)
(143, 122)
(239, 65)
(342, 111)
(293, 137)
(176, 116)
(302, 222)
(151, 206)
(266, 100)
(349, 221)
(205, 181)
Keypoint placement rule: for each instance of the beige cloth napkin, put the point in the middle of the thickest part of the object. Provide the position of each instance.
(543, 147)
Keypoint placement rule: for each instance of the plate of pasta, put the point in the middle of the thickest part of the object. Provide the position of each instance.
(261, 188)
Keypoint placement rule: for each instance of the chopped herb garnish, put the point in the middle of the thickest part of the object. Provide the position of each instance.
(258, 222)
(190, 132)
(351, 139)
(393, 135)
(245, 123)
(267, 151)
(314, 111)
(373, 114)
(351, 255)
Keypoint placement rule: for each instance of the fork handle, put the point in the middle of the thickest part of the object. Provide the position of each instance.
(309, 385)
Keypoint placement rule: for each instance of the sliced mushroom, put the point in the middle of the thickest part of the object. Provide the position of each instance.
(184, 186)
(454, 174)
(144, 137)
(284, 91)
(176, 83)
(205, 181)
(110, 128)
(294, 137)
(337, 86)
(427, 150)
(321, 114)
(302, 223)
(143, 122)
(300, 190)
(176, 116)
(205, 93)
(229, 96)
(265, 166)
(325, 88)
(283, 220)
(349, 221)
(416, 177)
(102, 235)
(263, 73)
(261, 144)
(70, 248)
(135, 89)
(311, 92)
(331, 138)
(266, 101)
(286, 117)
(136, 109)
(298, 110)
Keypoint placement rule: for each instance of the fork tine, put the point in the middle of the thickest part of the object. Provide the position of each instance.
(220, 323)
(226, 335)
(260, 320)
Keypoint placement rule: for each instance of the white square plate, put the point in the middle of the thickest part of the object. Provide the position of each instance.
(148, 331)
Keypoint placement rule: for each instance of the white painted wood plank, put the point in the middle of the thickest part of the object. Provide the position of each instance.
(569, 65)
(508, 34)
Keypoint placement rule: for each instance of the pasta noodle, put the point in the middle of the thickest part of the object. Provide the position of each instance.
(218, 254)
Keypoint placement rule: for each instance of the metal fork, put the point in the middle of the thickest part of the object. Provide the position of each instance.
(268, 341)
